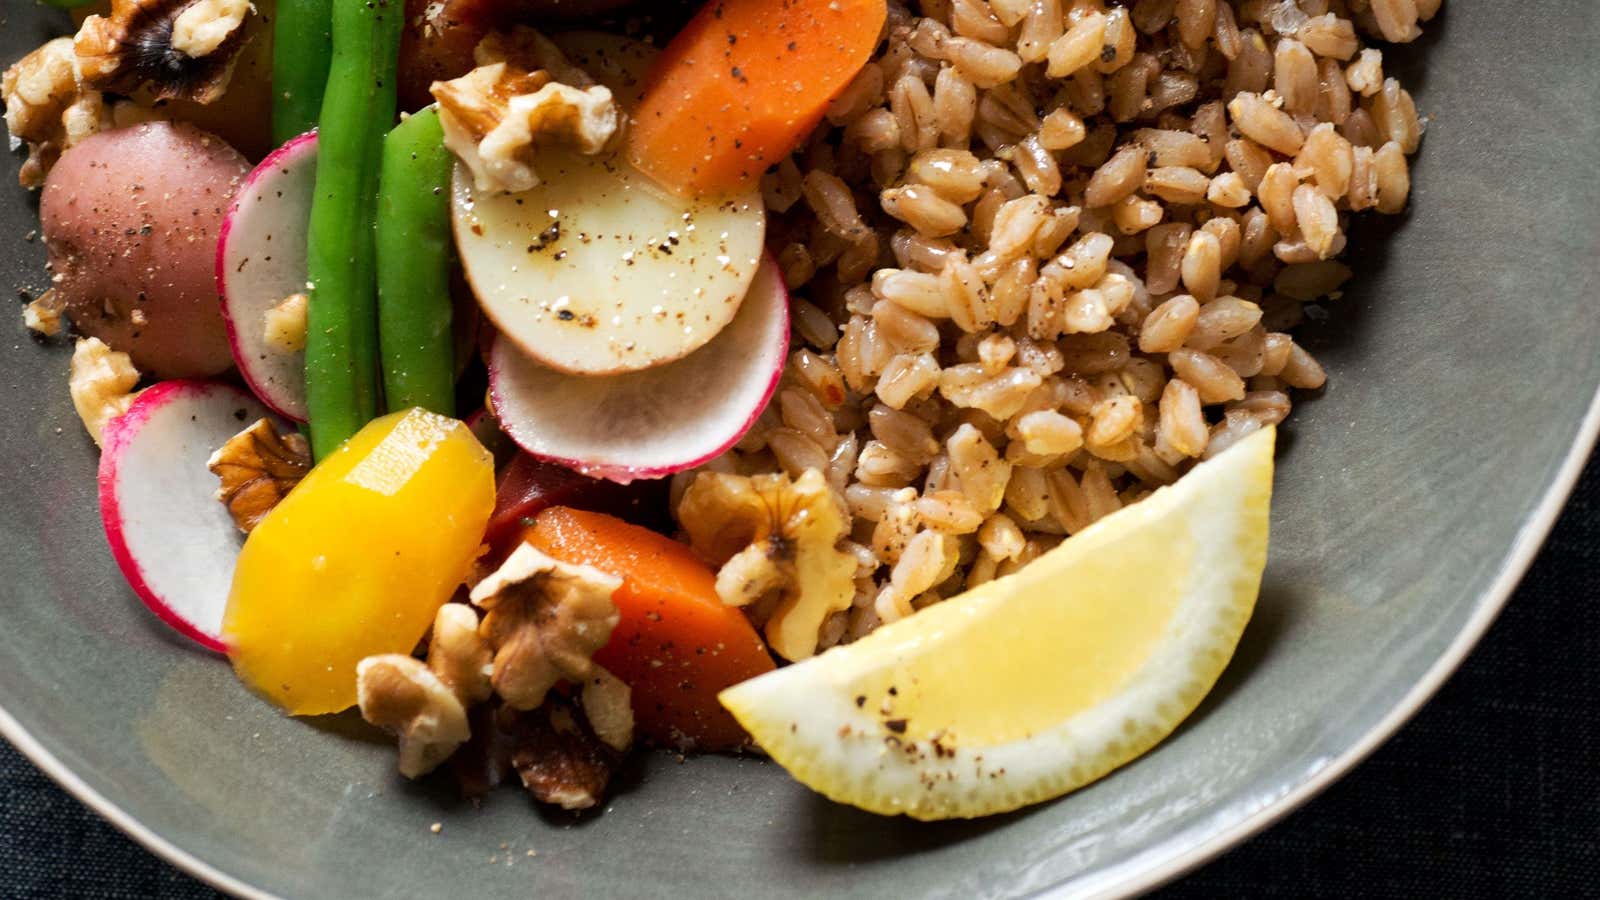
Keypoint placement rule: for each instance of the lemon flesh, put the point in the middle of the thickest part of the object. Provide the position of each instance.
(1036, 684)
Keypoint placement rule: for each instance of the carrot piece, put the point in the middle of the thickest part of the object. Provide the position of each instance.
(740, 87)
(676, 645)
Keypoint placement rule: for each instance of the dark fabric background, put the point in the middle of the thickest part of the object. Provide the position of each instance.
(1492, 791)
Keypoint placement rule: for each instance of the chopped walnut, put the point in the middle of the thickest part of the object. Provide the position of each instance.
(608, 705)
(402, 695)
(545, 619)
(38, 92)
(772, 536)
(496, 115)
(558, 758)
(179, 49)
(284, 325)
(259, 467)
(43, 315)
(101, 382)
(426, 703)
(459, 655)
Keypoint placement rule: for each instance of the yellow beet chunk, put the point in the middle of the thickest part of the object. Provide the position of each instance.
(357, 559)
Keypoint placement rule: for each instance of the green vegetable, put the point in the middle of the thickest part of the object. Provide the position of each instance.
(302, 45)
(414, 267)
(357, 111)
(67, 4)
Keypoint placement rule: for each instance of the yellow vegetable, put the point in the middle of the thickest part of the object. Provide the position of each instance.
(357, 559)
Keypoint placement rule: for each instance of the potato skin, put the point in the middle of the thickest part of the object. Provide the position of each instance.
(131, 219)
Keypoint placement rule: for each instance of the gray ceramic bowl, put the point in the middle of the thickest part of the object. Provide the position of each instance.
(1411, 497)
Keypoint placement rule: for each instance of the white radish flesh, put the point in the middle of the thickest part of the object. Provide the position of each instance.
(174, 541)
(261, 260)
(649, 424)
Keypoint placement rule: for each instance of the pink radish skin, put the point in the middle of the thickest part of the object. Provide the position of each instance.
(653, 423)
(261, 259)
(175, 544)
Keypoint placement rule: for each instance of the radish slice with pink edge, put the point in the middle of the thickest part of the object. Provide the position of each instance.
(175, 543)
(655, 422)
(261, 260)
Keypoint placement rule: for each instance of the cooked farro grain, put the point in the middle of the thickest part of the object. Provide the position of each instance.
(1049, 256)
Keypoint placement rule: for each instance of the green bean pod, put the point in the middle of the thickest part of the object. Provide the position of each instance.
(302, 46)
(414, 267)
(357, 111)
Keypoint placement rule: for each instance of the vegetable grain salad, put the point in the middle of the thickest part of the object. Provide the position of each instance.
(889, 388)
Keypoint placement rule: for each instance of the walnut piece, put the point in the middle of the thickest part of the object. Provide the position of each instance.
(558, 758)
(770, 535)
(402, 695)
(284, 325)
(42, 95)
(259, 466)
(496, 115)
(459, 655)
(43, 315)
(608, 705)
(179, 49)
(426, 704)
(545, 619)
(101, 382)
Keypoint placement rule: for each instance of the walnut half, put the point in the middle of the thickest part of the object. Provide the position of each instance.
(179, 49)
(496, 115)
(402, 695)
(425, 704)
(544, 619)
(773, 536)
(101, 382)
(259, 466)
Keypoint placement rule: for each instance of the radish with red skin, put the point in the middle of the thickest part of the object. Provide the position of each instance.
(652, 423)
(175, 543)
(261, 259)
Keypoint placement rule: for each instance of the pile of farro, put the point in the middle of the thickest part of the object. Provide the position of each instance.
(1046, 254)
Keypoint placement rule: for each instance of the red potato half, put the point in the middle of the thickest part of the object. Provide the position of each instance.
(174, 542)
(597, 271)
(131, 219)
(653, 423)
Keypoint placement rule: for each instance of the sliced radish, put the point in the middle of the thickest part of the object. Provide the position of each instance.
(261, 259)
(652, 423)
(176, 545)
(597, 271)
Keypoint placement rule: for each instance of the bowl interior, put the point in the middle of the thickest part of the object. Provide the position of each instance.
(1462, 363)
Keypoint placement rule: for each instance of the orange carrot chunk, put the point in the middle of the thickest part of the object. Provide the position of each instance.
(676, 645)
(740, 87)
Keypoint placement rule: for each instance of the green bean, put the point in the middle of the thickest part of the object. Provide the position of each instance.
(302, 44)
(414, 267)
(357, 111)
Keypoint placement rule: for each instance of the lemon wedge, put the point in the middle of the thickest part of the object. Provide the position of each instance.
(1035, 684)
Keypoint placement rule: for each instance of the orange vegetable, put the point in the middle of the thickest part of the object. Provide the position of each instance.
(740, 87)
(676, 645)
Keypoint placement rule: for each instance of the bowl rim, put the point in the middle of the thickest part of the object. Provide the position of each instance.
(1157, 865)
